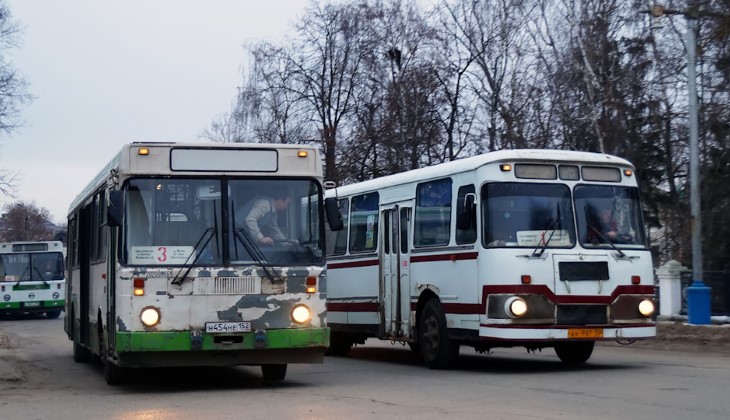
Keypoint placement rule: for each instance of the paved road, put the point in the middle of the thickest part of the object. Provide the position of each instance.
(378, 381)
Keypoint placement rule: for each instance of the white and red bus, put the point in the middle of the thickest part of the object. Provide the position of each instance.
(502, 249)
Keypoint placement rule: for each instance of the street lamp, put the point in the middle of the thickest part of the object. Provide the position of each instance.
(698, 294)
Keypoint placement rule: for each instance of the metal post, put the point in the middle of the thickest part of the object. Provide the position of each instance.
(698, 295)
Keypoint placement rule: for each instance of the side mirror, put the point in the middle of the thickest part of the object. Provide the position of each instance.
(334, 218)
(466, 213)
(115, 210)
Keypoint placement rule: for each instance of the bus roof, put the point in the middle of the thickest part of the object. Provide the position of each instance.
(31, 246)
(474, 162)
(122, 162)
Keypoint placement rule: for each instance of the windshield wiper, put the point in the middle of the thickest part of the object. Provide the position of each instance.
(249, 244)
(553, 225)
(602, 236)
(213, 231)
(255, 252)
(608, 241)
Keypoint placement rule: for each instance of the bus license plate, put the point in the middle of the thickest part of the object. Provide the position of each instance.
(227, 327)
(585, 333)
(31, 304)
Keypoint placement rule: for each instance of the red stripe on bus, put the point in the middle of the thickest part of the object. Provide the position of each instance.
(542, 289)
(353, 264)
(562, 327)
(445, 257)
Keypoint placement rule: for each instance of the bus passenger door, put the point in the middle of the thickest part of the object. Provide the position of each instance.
(395, 293)
(84, 292)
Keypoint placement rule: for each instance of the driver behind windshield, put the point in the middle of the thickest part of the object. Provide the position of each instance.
(260, 216)
(604, 227)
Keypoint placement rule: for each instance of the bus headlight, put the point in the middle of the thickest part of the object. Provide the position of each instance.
(150, 316)
(515, 307)
(300, 314)
(646, 307)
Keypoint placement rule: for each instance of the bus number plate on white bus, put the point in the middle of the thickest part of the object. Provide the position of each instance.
(585, 333)
(227, 327)
(31, 304)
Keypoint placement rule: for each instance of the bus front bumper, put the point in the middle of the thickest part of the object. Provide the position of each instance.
(547, 334)
(196, 348)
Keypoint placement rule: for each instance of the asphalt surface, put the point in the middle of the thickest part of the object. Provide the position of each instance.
(672, 335)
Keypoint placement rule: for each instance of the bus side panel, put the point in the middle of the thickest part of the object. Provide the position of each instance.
(456, 283)
(353, 294)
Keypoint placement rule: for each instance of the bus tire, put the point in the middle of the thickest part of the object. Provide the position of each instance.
(274, 372)
(340, 345)
(437, 350)
(113, 373)
(574, 353)
(53, 314)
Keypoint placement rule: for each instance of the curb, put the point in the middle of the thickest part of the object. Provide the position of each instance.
(715, 320)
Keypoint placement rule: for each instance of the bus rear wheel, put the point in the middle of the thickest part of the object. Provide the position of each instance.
(340, 345)
(274, 372)
(437, 350)
(53, 314)
(574, 353)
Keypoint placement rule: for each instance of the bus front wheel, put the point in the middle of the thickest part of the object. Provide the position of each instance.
(574, 353)
(437, 350)
(273, 372)
(340, 344)
(113, 373)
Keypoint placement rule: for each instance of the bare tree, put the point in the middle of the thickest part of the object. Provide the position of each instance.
(24, 221)
(13, 90)
(326, 58)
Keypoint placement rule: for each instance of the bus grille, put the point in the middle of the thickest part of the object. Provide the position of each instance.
(248, 285)
(576, 271)
(582, 314)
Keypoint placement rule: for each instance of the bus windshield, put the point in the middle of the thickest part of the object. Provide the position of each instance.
(179, 222)
(527, 215)
(609, 215)
(32, 267)
(275, 222)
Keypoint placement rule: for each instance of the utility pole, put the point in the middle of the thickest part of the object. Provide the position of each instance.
(698, 294)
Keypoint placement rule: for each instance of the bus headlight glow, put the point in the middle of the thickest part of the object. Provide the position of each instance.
(150, 316)
(646, 307)
(515, 307)
(300, 314)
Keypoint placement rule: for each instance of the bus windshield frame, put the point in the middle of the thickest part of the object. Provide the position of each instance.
(527, 215)
(32, 266)
(617, 208)
(189, 222)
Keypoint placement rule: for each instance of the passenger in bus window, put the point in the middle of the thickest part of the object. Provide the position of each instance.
(260, 217)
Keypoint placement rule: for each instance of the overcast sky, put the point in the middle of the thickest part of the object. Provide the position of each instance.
(105, 73)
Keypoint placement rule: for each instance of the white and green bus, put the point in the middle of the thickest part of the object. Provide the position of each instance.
(32, 278)
(162, 274)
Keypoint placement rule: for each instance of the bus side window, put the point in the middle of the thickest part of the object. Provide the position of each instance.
(337, 241)
(467, 235)
(364, 223)
(433, 213)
